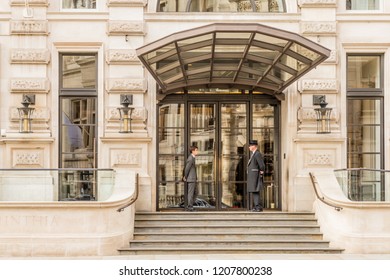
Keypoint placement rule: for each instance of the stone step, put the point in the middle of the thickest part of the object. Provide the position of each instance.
(229, 229)
(223, 236)
(201, 222)
(244, 244)
(227, 233)
(230, 214)
(226, 250)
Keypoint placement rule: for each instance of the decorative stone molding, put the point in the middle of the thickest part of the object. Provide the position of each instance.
(138, 123)
(33, 85)
(319, 158)
(318, 3)
(308, 114)
(318, 28)
(30, 2)
(127, 3)
(29, 27)
(31, 56)
(319, 85)
(307, 120)
(125, 28)
(126, 85)
(122, 57)
(139, 114)
(125, 158)
(30, 158)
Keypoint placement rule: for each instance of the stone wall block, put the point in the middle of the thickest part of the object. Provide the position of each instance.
(127, 3)
(43, 3)
(317, 3)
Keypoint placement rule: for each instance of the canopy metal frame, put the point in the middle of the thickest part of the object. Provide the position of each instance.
(248, 56)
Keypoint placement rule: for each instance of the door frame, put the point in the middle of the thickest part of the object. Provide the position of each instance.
(249, 99)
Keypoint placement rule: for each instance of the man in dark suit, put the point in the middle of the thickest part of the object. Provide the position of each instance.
(255, 171)
(190, 178)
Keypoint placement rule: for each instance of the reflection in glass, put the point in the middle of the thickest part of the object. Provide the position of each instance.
(79, 72)
(364, 133)
(233, 160)
(78, 132)
(79, 4)
(203, 135)
(364, 72)
(263, 123)
(171, 155)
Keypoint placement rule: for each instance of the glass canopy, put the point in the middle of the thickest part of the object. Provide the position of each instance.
(251, 57)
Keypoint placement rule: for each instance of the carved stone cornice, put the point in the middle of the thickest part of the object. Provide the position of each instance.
(33, 85)
(127, 3)
(318, 28)
(317, 3)
(322, 85)
(116, 27)
(126, 85)
(122, 57)
(31, 56)
(43, 3)
(29, 27)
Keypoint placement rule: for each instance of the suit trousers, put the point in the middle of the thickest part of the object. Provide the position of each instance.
(256, 200)
(192, 193)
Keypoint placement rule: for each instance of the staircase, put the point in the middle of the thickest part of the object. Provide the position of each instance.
(227, 233)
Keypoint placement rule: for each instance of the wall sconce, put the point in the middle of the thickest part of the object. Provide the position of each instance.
(322, 113)
(25, 113)
(125, 113)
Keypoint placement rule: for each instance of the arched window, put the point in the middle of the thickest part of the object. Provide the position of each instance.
(215, 6)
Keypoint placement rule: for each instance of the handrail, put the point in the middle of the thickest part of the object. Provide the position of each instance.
(56, 169)
(134, 199)
(361, 169)
(315, 183)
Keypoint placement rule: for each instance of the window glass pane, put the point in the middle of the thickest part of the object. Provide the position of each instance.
(364, 133)
(363, 72)
(362, 5)
(79, 4)
(78, 71)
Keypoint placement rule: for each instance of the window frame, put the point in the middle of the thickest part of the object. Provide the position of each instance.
(71, 93)
(368, 94)
(77, 10)
(189, 2)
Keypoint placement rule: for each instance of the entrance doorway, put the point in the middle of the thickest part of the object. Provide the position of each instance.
(220, 128)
